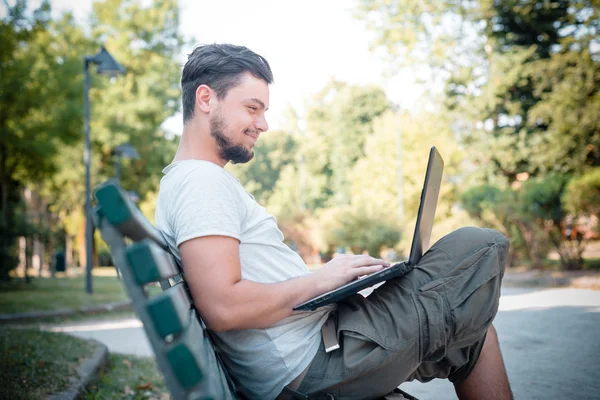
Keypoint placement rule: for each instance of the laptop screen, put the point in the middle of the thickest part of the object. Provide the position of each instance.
(427, 206)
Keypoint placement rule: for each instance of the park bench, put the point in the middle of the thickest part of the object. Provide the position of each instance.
(182, 345)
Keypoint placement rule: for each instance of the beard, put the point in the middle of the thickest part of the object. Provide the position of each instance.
(236, 153)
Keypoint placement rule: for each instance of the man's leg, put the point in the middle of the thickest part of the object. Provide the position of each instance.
(430, 323)
(488, 379)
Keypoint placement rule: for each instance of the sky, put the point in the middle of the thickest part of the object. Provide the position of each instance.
(307, 43)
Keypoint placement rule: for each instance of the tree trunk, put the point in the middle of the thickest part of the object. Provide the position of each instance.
(38, 256)
(81, 242)
(28, 258)
(22, 252)
(50, 252)
(68, 250)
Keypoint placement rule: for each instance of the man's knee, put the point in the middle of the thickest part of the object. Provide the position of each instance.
(464, 242)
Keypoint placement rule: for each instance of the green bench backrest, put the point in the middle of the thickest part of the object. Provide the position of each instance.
(181, 343)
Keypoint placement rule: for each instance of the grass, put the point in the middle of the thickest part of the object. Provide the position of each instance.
(592, 264)
(35, 364)
(44, 294)
(589, 264)
(128, 377)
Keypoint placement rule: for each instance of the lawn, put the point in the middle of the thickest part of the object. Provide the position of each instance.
(128, 377)
(35, 364)
(44, 294)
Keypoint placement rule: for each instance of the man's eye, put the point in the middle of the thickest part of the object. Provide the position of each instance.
(253, 108)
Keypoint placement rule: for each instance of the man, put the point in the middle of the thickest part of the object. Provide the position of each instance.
(433, 322)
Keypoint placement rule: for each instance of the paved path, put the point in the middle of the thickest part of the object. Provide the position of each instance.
(550, 339)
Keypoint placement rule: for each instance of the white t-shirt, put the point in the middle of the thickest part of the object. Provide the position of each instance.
(198, 198)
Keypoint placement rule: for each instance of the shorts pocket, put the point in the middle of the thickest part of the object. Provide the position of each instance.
(391, 327)
(472, 292)
(458, 270)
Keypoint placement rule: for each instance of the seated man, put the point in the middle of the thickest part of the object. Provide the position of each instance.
(434, 322)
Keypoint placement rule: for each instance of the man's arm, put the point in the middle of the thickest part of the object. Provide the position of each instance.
(226, 301)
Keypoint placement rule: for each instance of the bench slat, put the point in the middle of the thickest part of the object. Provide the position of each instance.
(169, 311)
(185, 365)
(120, 211)
(194, 362)
(150, 263)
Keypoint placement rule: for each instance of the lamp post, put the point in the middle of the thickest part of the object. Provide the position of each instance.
(123, 151)
(109, 66)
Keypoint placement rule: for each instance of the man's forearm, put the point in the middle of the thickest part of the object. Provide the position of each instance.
(249, 304)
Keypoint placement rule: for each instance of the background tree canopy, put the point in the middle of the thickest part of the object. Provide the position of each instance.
(511, 100)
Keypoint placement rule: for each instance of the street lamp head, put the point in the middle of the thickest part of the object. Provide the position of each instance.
(107, 65)
(126, 151)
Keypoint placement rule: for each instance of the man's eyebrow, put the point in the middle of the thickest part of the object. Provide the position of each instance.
(259, 102)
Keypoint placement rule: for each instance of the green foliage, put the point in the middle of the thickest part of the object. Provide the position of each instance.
(420, 34)
(582, 194)
(41, 64)
(568, 113)
(541, 198)
(338, 122)
(275, 152)
(360, 232)
(476, 200)
(522, 84)
(38, 113)
(532, 214)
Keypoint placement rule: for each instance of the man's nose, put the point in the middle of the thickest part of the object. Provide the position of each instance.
(261, 124)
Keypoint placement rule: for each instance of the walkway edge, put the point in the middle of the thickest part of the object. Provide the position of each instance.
(88, 371)
(64, 312)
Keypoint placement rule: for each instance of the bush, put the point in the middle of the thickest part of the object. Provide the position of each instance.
(361, 232)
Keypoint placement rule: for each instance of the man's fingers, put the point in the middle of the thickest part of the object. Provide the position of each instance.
(366, 270)
(367, 261)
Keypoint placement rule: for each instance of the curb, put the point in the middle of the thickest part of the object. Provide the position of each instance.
(87, 371)
(64, 312)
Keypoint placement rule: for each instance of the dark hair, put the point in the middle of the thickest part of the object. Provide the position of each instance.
(219, 66)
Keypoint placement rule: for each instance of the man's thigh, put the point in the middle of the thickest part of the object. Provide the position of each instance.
(432, 318)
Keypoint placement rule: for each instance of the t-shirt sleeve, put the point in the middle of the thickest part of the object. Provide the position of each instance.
(206, 203)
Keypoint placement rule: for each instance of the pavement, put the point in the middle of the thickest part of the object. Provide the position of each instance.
(549, 339)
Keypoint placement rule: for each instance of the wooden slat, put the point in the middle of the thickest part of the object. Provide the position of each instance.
(120, 211)
(169, 311)
(150, 263)
(194, 362)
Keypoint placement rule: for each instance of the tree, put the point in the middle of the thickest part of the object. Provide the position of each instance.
(504, 112)
(38, 114)
(337, 123)
(430, 37)
(522, 97)
(127, 109)
(360, 231)
(582, 195)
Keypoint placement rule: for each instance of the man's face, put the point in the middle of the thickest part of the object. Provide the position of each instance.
(239, 119)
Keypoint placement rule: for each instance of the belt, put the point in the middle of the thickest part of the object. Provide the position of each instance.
(330, 343)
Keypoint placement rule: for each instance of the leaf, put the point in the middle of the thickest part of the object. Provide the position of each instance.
(144, 386)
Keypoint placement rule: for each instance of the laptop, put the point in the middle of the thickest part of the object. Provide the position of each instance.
(420, 242)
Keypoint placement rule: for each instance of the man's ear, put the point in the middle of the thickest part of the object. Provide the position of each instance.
(204, 96)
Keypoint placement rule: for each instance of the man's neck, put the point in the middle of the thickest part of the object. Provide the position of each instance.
(197, 144)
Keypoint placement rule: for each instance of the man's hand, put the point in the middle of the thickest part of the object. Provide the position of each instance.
(226, 301)
(345, 268)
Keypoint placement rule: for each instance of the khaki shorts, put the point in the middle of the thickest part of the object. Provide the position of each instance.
(430, 323)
